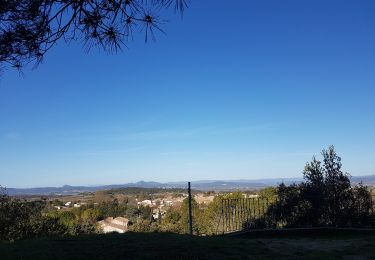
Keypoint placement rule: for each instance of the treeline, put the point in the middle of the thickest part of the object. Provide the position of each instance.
(21, 220)
(325, 198)
(205, 217)
(149, 191)
(91, 213)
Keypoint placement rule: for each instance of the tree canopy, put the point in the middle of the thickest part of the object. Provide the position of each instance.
(28, 29)
(326, 197)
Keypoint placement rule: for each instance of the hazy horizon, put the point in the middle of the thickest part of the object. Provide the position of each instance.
(168, 181)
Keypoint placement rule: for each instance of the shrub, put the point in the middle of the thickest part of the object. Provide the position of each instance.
(325, 198)
(20, 220)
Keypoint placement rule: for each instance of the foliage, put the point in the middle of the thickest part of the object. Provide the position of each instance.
(268, 193)
(67, 218)
(111, 209)
(28, 29)
(21, 220)
(325, 198)
(171, 222)
(144, 225)
(84, 227)
(91, 215)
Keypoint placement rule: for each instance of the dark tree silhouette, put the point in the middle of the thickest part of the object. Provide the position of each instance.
(21, 219)
(29, 28)
(325, 198)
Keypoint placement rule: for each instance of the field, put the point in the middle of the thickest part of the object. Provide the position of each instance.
(328, 245)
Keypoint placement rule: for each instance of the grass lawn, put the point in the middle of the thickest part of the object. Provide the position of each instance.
(173, 246)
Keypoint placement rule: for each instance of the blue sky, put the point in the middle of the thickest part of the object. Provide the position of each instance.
(246, 90)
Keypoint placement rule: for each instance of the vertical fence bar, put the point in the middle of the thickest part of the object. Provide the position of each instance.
(258, 207)
(244, 224)
(226, 215)
(267, 206)
(251, 212)
(250, 215)
(249, 209)
(231, 215)
(238, 214)
(233, 212)
(254, 209)
(264, 213)
(190, 211)
(247, 213)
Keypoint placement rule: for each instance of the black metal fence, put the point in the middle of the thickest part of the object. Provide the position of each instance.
(238, 214)
(251, 213)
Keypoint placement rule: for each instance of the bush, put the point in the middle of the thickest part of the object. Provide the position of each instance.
(143, 225)
(325, 198)
(85, 227)
(20, 220)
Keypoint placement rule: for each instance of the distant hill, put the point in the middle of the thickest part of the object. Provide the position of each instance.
(367, 180)
(204, 185)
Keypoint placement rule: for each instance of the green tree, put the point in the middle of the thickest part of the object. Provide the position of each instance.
(21, 219)
(185, 216)
(30, 28)
(325, 198)
(268, 193)
(144, 225)
(339, 196)
(67, 218)
(91, 215)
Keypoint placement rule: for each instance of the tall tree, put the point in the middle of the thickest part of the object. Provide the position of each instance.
(314, 190)
(325, 198)
(337, 185)
(28, 29)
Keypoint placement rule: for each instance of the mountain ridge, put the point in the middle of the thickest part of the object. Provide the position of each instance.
(204, 185)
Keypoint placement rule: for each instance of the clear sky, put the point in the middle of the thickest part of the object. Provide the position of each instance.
(235, 90)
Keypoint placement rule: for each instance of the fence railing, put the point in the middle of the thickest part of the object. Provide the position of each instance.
(251, 213)
(238, 214)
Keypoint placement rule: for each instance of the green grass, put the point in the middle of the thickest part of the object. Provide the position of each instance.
(173, 246)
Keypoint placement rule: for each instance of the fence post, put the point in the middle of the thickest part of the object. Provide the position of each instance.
(190, 211)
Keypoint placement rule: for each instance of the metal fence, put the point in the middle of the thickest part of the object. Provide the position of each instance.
(250, 213)
(239, 214)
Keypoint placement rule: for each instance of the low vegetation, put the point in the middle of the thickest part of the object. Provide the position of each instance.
(325, 198)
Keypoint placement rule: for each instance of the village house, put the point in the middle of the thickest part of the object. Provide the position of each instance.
(251, 196)
(201, 199)
(167, 203)
(119, 225)
(145, 203)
